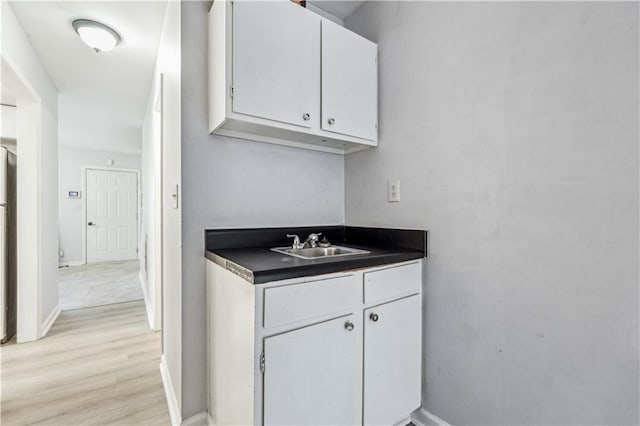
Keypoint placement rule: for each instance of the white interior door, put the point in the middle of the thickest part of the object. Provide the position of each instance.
(276, 62)
(112, 224)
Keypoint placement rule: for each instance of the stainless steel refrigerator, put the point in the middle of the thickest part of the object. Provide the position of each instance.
(8, 245)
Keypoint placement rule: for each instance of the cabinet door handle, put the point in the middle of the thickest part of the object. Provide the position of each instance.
(306, 117)
(332, 121)
(349, 326)
(373, 317)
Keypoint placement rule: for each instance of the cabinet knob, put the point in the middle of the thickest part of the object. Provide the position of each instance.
(349, 326)
(332, 121)
(373, 317)
(90, 223)
(306, 117)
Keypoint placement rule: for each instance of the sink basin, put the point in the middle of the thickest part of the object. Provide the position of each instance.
(319, 252)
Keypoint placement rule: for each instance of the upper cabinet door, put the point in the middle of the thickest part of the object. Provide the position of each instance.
(349, 83)
(392, 361)
(276, 62)
(312, 375)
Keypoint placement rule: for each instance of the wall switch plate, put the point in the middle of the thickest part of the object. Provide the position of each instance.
(393, 193)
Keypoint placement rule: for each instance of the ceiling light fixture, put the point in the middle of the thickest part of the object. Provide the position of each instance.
(97, 36)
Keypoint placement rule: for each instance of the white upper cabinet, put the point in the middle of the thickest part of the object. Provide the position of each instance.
(349, 83)
(276, 62)
(279, 73)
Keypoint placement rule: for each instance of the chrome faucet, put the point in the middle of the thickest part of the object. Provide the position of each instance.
(312, 240)
(296, 241)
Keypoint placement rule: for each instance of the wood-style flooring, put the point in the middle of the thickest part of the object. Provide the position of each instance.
(97, 366)
(97, 284)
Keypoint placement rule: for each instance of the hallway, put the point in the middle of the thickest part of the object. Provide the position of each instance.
(97, 365)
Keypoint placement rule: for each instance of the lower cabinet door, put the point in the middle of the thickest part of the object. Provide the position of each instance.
(392, 360)
(312, 375)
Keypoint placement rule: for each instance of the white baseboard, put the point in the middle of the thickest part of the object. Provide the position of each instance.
(200, 419)
(44, 329)
(172, 401)
(74, 263)
(422, 417)
(147, 302)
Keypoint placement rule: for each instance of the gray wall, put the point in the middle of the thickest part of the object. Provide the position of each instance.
(235, 183)
(513, 128)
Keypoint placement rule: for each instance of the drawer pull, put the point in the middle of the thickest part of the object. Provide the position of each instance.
(349, 326)
(373, 317)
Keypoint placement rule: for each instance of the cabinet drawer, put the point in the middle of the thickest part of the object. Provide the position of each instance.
(392, 282)
(298, 302)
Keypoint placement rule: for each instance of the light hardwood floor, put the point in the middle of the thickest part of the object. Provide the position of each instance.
(97, 366)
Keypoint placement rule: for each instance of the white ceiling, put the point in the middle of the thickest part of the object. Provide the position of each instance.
(102, 96)
(337, 8)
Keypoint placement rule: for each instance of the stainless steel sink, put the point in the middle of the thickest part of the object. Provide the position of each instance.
(319, 252)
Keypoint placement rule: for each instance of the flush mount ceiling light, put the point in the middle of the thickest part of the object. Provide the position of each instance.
(97, 36)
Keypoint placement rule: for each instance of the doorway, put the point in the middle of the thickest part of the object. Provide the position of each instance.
(110, 270)
(35, 251)
(111, 215)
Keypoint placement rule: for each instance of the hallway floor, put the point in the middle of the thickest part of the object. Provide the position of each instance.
(97, 366)
(99, 284)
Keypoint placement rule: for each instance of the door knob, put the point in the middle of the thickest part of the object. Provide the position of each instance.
(332, 121)
(373, 317)
(90, 223)
(349, 326)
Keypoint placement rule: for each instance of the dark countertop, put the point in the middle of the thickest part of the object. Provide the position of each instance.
(247, 252)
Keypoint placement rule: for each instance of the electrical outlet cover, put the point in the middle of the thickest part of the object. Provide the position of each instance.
(393, 193)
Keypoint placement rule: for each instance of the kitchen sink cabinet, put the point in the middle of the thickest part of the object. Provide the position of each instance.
(392, 356)
(303, 364)
(311, 351)
(280, 73)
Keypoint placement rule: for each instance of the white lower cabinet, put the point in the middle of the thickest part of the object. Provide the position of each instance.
(311, 351)
(301, 365)
(392, 356)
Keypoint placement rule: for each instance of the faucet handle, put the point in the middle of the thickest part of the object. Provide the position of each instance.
(312, 239)
(324, 243)
(296, 241)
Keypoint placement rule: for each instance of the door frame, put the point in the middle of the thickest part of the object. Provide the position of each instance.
(30, 249)
(83, 180)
